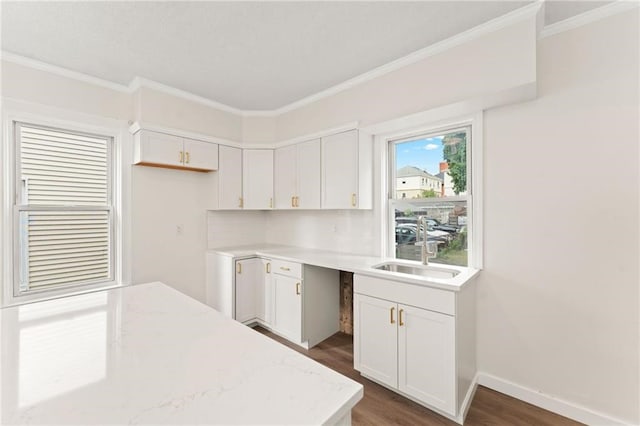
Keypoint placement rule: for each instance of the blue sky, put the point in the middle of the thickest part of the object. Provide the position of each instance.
(425, 153)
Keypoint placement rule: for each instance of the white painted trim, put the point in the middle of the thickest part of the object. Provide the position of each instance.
(468, 399)
(63, 72)
(477, 185)
(588, 17)
(548, 402)
(137, 126)
(139, 82)
(419, 55)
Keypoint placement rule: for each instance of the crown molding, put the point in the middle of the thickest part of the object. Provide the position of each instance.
(434, 49)
(588, 17)
(60, 71)
(139, 82)
(417, 56)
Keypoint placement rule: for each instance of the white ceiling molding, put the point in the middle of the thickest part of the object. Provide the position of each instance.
(466, 36)
(139, 82)
(588, 17)
(63, 72)
(417, 56)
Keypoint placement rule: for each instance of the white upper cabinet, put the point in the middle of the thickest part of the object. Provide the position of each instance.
(347, 178)
(257, 179)
(230, 178)
(309, 174)
(200, 155)
(285, 177)
(174, 152)
(297, 176)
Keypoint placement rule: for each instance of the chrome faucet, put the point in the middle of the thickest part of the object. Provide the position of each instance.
(425, 253)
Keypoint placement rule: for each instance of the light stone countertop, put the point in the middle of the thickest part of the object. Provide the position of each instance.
(147, 354)
(355, 263)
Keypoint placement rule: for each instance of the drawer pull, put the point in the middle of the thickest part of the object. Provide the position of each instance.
(298, 288)
(391, 316)
(284, 268)
(268, 267)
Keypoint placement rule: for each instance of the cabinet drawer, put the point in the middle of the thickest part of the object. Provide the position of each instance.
(289, 269)
(413, 295)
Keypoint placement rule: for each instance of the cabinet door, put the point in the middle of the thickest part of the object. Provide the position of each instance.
(287, 307)
(248, 281)
(285, 176)
(265, 294)
(340, 170)
(200, 155)
(158, 149)
(257, 178)
(426, 349)
(308, 175)
(230, 178)
(375, 340)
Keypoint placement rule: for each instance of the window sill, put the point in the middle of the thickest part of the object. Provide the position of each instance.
(11, 300)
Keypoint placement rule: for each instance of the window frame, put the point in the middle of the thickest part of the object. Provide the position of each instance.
(119, 178)
(474, 184)
(20, 207)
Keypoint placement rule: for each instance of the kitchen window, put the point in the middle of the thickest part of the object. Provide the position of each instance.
(430, 178)
(64, 232)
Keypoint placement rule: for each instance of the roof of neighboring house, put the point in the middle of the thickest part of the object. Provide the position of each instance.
(407, 171)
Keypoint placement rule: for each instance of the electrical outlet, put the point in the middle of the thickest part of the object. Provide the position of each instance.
(179, 229)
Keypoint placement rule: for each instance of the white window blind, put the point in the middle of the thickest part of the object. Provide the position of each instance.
(64, 208)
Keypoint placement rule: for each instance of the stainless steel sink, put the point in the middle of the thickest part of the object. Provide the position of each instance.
(421, 270)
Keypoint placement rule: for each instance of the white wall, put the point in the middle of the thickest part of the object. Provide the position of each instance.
(162, 109)
(558, 298)
(32, 85)
(496, 62)
(345, 231)
(236, 228)
(162, 201)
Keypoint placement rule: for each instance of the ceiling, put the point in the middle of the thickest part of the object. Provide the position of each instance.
(247, 55)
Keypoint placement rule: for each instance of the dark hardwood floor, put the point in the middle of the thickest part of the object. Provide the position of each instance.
(380, 406)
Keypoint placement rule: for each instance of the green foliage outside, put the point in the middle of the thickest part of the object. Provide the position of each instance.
(428, 193)
(455, 154)
(456, 251)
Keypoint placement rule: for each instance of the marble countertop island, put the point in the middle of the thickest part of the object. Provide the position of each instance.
(147, 354)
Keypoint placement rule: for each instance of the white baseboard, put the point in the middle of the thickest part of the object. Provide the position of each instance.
(548, 402)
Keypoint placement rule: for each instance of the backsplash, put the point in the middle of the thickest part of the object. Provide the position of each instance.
(235, 228)
(348, 231)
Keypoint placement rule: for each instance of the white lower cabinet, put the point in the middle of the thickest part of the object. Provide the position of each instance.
(265, 294)
(287, 318)
(375, 348)
(425, 352)
(426, 356)
(298, 302)
(407, 348)
(248, 284)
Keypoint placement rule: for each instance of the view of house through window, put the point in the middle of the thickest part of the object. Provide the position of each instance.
(429, 196)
